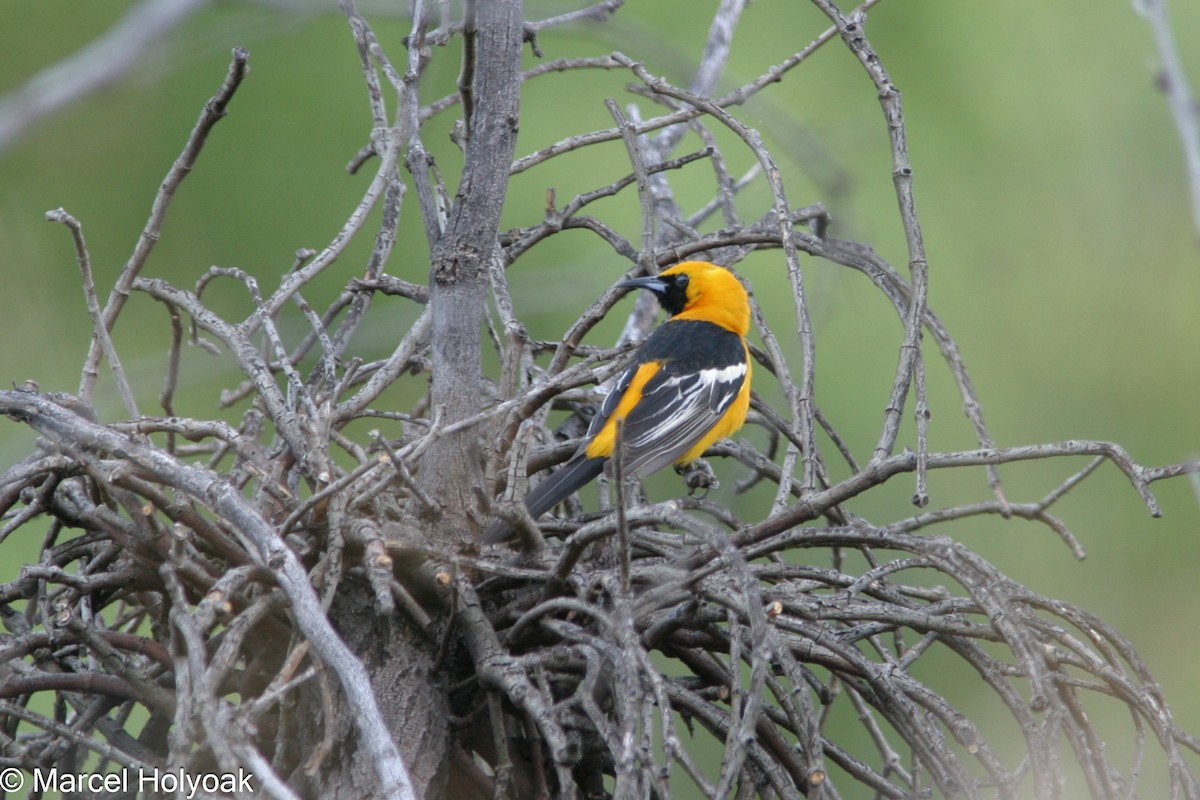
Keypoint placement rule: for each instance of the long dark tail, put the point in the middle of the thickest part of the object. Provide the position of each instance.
(569, 477)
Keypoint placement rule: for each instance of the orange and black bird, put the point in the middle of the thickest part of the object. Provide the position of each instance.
(687, 387)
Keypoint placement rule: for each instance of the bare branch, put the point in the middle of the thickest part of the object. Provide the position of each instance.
(208, 489)
(102, 62)
(1180, 100)
(214, 111)
(99, 330)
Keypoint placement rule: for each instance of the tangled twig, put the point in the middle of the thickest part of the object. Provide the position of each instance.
(216, 576)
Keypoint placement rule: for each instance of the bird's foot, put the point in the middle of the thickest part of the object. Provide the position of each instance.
(698, 477)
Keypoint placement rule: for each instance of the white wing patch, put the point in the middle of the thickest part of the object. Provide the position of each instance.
(676, 413)
(725, 377)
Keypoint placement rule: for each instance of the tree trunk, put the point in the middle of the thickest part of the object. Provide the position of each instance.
(413, 697)
(450, 470)
(412, 700)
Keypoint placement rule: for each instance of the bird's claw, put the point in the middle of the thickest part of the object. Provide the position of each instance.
(698, 477)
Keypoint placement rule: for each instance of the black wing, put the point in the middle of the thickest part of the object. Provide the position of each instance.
(677, 411)
(701, 370)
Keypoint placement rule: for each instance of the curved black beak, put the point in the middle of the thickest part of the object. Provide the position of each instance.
(654, 284)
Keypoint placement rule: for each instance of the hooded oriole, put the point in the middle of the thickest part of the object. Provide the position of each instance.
(687, 387)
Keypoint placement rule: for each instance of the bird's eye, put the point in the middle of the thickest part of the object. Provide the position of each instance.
(681, 281)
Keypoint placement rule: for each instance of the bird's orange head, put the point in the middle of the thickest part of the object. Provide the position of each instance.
(700, 290)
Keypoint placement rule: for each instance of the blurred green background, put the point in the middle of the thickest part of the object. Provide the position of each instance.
(1048, 177)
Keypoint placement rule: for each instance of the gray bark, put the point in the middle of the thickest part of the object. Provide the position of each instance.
(450, 470)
